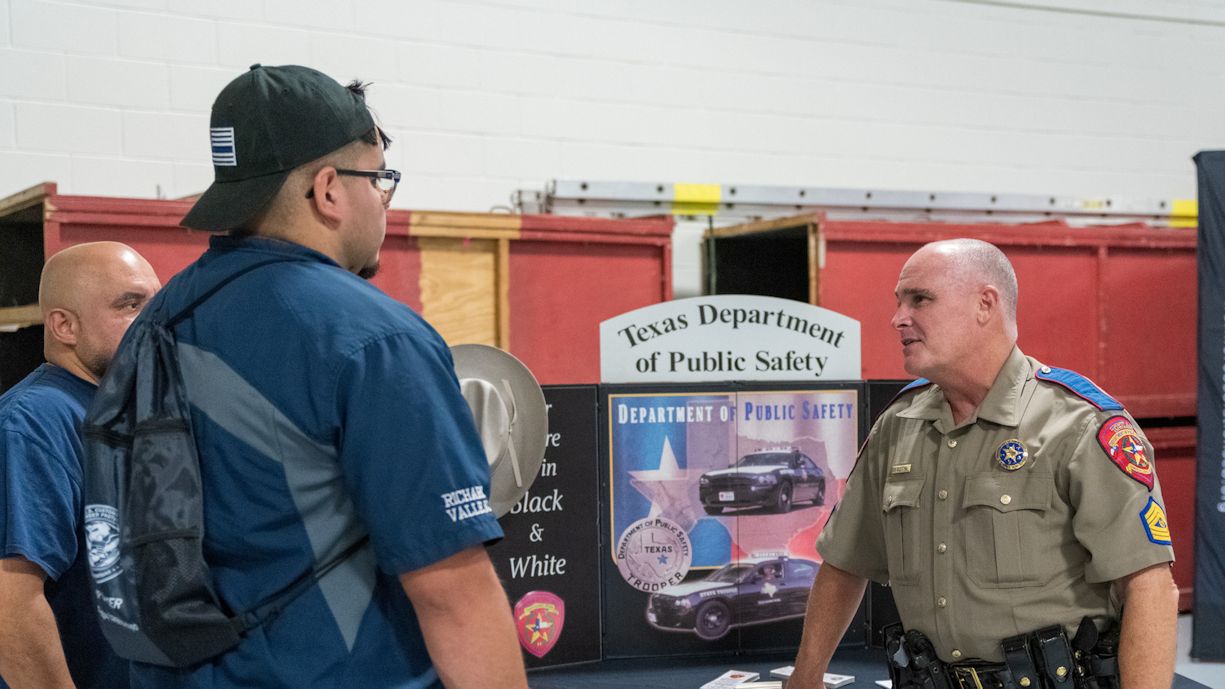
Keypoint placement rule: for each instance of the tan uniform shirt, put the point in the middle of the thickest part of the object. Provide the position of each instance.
(976, 552)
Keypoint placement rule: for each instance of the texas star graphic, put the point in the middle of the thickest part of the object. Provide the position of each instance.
(670, 490)
(540, 629)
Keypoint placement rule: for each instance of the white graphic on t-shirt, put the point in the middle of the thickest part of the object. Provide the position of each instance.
(466, 502)
(102, 541)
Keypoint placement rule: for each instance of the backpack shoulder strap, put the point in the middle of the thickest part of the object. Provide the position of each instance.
(272, 608)
(186, 312)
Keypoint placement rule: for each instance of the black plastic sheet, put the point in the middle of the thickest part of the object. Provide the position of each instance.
(1208, 634)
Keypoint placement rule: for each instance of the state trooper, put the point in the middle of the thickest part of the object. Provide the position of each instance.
(1012, 507)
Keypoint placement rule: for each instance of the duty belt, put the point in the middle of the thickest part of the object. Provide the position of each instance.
(980, 676)
(1042, 659)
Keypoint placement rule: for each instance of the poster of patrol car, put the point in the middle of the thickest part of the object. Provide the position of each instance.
(715, 497)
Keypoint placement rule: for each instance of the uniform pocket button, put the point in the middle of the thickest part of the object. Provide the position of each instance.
(1005, 499)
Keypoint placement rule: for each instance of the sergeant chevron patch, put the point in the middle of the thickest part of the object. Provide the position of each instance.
(1154, 523)
(1123, 445)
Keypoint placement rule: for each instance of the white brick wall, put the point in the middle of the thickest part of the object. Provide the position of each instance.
(170, 136)
(485, 96)
(242, 45)
(168, 39)
(68, 129)
(5, 39)
(63, 27)
(33, 74)
(8, 127)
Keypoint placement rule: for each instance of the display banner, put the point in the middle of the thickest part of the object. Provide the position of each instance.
(1208, 630)
(713, 498)
(548, 560)
(729, 337)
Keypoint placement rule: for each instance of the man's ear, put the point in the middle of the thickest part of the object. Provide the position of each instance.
(989, 303)
(327, 195)
(63, 326)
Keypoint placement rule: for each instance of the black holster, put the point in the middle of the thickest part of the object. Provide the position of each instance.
(1097, 654)
(913, 663)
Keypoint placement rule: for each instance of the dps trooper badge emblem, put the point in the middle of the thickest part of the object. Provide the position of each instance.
(1012, 454)
(653, 553)
(102, 541)
(539, 616)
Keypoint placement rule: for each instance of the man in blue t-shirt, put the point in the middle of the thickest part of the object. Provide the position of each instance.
(325, 412)
(49, 637)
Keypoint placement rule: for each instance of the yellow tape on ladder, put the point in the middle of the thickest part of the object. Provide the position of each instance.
(696, 199)
(1184, 213)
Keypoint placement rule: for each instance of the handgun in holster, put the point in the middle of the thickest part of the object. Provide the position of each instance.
(913, 663)
(1097, 655)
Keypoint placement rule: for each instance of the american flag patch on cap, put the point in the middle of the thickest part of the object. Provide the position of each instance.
(222, 141)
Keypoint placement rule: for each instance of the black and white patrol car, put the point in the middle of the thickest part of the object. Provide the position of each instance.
(745, 592)
(775, 479)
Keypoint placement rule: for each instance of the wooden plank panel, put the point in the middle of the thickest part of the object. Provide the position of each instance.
(503, 295)
(13, 317)
(459, 290)
(419, 220)
(26, 198)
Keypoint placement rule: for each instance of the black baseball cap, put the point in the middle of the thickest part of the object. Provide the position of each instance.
(265, 124)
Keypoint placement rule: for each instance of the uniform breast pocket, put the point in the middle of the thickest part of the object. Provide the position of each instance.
(1006, 544)
(900, 503)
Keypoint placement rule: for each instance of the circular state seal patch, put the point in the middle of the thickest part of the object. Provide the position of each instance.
(1012, 454)
(653, 553)
(1123, 445)
(102, 541)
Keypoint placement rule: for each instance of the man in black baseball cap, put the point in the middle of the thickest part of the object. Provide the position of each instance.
(324, 411)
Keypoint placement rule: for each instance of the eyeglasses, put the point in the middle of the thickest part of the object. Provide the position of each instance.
(385, 181)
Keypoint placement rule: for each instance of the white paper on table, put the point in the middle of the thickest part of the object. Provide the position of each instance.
(731, 678)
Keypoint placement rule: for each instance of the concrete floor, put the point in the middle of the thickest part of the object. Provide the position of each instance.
(1208, 674)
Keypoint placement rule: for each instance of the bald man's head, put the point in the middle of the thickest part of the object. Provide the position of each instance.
(980, 263)
(956, 300)
(89, 295)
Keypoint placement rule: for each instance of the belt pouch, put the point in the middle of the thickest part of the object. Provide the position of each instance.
(1056, 656)
(1020, 663)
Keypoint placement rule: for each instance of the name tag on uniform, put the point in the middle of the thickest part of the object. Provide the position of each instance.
(901, 468)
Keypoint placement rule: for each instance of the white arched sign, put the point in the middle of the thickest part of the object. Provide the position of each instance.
(729, 337)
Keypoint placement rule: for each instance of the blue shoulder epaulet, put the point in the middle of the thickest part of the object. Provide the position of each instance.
(1080, 386)
(912, 386)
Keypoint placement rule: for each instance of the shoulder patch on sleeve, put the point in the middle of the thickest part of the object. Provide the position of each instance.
(1080, 386)
(1123, 445)
(1154, 523)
